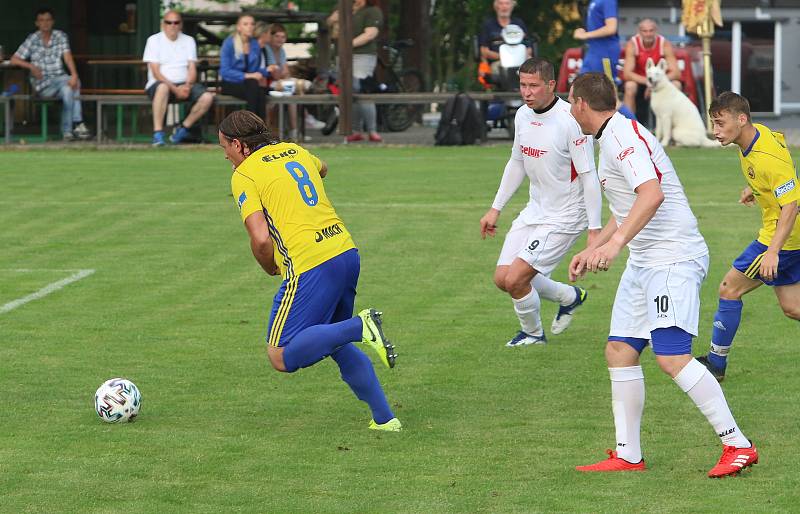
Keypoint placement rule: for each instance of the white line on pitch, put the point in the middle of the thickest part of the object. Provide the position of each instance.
(37, 270)
(46, 290)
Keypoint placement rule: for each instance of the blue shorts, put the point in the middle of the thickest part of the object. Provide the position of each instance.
(324, 294)
(665, 341)
(593, 58)
(788, 265)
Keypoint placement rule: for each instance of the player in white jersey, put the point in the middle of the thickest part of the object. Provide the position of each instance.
(658, 299)
(559, 162)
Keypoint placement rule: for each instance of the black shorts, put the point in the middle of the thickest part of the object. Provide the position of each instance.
(196, 92)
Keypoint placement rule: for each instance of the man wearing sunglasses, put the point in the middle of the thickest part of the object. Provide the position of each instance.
(171, 58)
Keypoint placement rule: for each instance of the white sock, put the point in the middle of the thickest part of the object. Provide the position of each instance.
(527, 309)
(627, 404)
(549, 289)
(704, 390)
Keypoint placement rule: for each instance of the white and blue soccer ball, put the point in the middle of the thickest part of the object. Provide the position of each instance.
(117, 401)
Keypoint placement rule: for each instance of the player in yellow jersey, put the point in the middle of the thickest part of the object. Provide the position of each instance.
(774, 257)
(295, 231)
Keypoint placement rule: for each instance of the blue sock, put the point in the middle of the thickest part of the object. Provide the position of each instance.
(726, 323)
(313, 344)
(357, 371)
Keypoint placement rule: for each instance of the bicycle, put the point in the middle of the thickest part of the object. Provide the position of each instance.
(392, 117)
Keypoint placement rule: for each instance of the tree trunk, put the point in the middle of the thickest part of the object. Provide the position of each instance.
(415, 24)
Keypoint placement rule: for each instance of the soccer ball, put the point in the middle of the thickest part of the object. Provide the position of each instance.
(117, 400)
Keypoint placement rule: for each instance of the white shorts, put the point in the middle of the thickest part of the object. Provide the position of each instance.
(541, 246)
(659, 297)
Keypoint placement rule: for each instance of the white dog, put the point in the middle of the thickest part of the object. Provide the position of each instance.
(677, 118)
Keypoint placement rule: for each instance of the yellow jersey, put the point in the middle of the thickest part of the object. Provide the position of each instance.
(282, 181)
(769, 171)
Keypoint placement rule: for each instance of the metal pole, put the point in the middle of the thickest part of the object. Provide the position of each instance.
(736, 57)
(778, 76)
(345, 44)
(706, 30)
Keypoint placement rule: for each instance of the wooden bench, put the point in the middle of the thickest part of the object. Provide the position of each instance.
(310, 99)
(117, 97)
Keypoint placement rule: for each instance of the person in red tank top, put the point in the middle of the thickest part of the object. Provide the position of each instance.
(647, 43)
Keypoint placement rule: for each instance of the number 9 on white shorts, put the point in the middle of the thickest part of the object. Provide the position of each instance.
(541, 246)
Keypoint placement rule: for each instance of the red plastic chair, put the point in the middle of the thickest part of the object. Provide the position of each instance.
(573, 59)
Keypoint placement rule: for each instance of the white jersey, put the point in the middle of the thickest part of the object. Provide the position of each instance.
(173, 57)
(630, 156)
(553, 151)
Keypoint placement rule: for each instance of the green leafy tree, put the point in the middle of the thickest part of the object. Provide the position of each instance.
(453, 29)
(456, 24)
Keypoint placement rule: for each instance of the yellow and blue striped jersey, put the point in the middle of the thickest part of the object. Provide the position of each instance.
(769, 171)
(283, 182)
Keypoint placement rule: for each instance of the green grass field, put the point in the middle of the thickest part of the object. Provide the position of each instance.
(178, 305)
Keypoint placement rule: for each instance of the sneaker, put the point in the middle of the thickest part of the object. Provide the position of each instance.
(393, 425)
(564, 316)
(179, 136)
(374, 137)
(81, 132)
(524, 339)
(719, 373)
(613, 463)
(372, 334)
(354, 137)
(734, 460)
(314, 123)
(158, 138)
(67, 137)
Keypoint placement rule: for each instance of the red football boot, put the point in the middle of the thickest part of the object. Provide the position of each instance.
(734, 460)
(613, 463)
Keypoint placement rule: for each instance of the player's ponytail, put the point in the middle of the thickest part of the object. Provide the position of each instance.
(248, 128)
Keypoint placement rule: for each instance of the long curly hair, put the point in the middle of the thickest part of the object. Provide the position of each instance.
(248, 128)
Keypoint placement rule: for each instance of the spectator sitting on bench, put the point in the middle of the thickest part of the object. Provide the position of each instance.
(646, 44)
(283, 83)
(44, 49)
(240, 66)
(171, 58)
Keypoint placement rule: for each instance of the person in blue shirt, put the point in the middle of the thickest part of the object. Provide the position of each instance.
(240, 66)
(600, 34)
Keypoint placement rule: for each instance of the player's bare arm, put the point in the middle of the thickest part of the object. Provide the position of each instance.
(489, 223)
(769, 264)
(747, 197)
(649, 198)
(261, 243)
(577, 267)
(323, 169)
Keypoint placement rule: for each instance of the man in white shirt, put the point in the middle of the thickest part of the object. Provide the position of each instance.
(564, 198)
(658, 298)
(171, 58)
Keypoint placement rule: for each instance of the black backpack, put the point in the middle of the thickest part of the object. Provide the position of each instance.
(461, 122)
